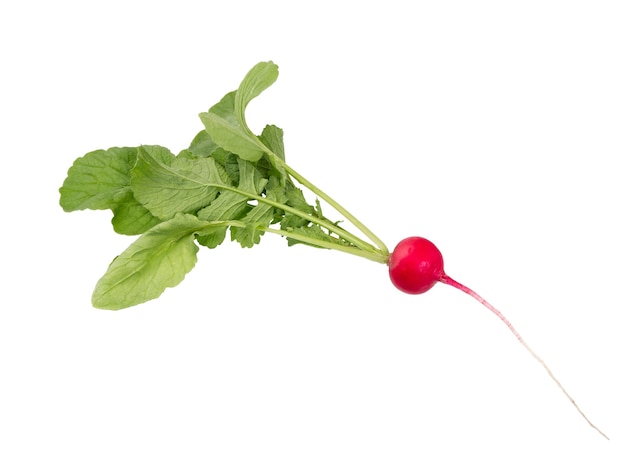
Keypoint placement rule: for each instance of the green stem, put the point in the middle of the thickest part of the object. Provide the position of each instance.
(376, 257)
(361, 244)
(372, 256)
(349, 216)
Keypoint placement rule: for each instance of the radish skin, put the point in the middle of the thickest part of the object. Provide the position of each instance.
(416, 265)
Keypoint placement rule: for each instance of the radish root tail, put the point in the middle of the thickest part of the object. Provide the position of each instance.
(449, 281)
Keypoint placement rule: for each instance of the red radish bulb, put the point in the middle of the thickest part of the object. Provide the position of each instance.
(416, 265)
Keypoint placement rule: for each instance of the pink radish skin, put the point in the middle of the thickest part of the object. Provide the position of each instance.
(416, 265)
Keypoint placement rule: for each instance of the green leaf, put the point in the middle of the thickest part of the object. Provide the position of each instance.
(99, 180)
(295, 199)
(261, 215)
(233, 137)
(223, 129)
(202, 145)
(230, 163)
(225, 108)
(272, 137)
(167, 185)
(226, 123)
(259, 78)
(132, 218)
(231, 205)
(157, 260)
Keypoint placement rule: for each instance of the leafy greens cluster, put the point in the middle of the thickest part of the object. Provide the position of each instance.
(228, 180)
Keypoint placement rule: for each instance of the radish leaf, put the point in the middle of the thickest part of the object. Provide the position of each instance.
(100, 180)
(167, 185)
(158, 259)
(232, 137)
(231, 204)
(228, 178)
(132, 218)
(259, 78)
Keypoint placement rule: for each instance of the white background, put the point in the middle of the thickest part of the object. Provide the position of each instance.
(496, 129)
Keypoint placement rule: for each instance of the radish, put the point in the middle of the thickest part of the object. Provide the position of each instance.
(228, 179)
(416, 265)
